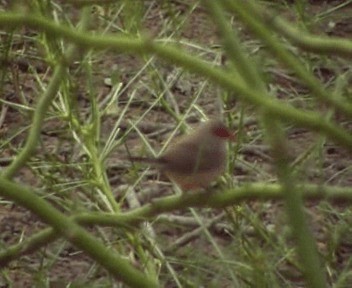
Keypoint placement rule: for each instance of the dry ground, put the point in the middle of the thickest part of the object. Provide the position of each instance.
(194, 257)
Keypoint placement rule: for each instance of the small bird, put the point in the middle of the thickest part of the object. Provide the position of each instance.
(196, 159)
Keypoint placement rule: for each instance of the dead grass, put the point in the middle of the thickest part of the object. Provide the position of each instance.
(112, 104)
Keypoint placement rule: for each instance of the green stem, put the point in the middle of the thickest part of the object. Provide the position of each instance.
(133, 218)
(253, 16)
(292, 194)
(79, 237)
(175, 55)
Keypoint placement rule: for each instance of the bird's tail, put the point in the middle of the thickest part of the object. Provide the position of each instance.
(147, 160)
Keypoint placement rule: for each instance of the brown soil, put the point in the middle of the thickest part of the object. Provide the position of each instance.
(62, 263)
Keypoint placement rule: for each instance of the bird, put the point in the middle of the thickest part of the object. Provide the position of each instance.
(197, 159)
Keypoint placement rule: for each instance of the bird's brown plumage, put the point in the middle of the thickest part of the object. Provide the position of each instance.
(196, 159)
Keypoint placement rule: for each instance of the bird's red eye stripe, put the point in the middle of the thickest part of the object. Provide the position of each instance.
(222, 132)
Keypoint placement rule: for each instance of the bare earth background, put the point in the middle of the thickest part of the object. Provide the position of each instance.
(60, 264)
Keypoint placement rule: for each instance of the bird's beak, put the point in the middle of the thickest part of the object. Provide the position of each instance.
(232, 137)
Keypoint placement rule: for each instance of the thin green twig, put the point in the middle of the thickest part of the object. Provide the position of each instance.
(175, 55)
(63, 225)
(306, 246)
(131, 219)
